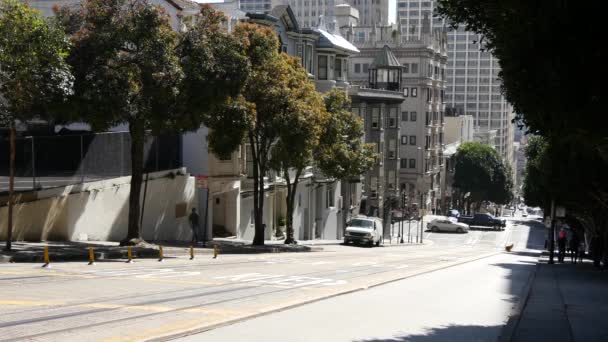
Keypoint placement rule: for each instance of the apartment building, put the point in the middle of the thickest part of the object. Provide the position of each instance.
(423, 61)
(378, 103)
(322, 204)
(473, 86)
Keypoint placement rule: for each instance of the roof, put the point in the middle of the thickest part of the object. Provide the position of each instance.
(450, 149)
(285, 11)
(330, 40)
(184, 4)
(230, 9)
(385, 58)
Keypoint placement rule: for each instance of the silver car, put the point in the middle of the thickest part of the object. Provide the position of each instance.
(447, 224)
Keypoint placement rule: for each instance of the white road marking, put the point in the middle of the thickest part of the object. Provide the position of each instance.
(279, 279)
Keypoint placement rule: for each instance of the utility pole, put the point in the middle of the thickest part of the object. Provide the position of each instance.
(552, 233)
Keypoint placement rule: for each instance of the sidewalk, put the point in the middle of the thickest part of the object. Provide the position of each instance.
(107, 250)
(566, 303)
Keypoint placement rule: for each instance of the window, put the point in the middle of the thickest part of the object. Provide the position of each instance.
(308, 58)
(331, 66)
(392, 117)
(414, 68)
(404, 116)
(391, 179)
(412, 116)
(392, 149)
(412, 140)
(403, 163)
(338, 69)
(365, 67)
(329, 197)
(404, 140)
(373, 185)
(405, 91)
(375, 118)
(322, 67)
(414, 92)
(357, 68)
(412, 163)
(406, 68)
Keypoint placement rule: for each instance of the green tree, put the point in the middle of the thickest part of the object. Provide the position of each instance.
(342, 153)
(298, 137)
(255, 114)
(480, 172)
(523, 36)
(34, 76)
(131, 68)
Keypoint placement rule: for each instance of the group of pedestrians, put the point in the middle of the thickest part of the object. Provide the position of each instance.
(569, 241)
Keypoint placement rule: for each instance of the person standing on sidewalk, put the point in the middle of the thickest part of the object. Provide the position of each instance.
(193, 218)
(561, 245)
(573, 246)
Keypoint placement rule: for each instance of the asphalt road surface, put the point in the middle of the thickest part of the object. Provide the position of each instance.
(457, 279)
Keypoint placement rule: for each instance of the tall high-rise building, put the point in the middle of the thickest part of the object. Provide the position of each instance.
(370, 11)
(473, 87)
(309, 12)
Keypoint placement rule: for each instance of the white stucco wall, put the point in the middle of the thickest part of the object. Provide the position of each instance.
(99, 211)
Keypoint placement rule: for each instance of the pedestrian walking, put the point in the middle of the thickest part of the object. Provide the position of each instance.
(561, 245)
(580, 253)
(573, 247)
(193, 218)
(569, 236)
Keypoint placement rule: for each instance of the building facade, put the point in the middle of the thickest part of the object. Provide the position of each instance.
(378, 104)
(371, 12)
(322, 204)
(421, 115)
(458, 128)
(473, 86)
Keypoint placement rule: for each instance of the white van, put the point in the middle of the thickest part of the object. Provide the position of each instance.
(365, 230)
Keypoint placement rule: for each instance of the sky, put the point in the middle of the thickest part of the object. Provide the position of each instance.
(392, 6)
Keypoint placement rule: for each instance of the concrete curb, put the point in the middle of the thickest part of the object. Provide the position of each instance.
(195, 331)
(509, 329)
(117, 253)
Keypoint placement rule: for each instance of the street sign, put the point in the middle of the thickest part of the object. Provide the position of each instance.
(560, 212)
(202, 182)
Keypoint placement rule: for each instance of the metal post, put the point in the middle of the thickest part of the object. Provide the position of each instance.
(33, 166)
(409, 231)
(81, 160)
(552, 233)
(121, 152)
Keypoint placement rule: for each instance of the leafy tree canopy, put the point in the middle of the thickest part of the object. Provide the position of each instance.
(480, 171)
(342, 154)
(34, 76)
(551, 84)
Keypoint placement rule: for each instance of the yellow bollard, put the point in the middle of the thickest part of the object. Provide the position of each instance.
(129, 255)
(91, 256)
(215, 251)
(191, 252)
(45, 257)
(160, 254)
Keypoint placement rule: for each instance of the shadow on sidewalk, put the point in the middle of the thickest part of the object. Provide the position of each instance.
(451, 333)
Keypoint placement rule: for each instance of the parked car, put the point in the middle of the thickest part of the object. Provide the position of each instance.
(447, 224)
(364, 230)
(483, 220)
(453, 213)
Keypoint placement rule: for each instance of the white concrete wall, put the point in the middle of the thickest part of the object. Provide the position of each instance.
(98, 211)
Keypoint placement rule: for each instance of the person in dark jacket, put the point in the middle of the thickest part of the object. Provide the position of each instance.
(561, 245)
(574, 242)
(194, 218)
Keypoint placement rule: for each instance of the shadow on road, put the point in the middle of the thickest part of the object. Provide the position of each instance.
(451, 333)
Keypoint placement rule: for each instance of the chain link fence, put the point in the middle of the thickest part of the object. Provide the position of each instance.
(54, 161)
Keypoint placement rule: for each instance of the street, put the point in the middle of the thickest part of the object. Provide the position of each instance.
(454, 280)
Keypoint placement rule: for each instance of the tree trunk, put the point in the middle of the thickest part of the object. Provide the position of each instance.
(137, 132)
(258, 192)
(11, 188)
(291, 196)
